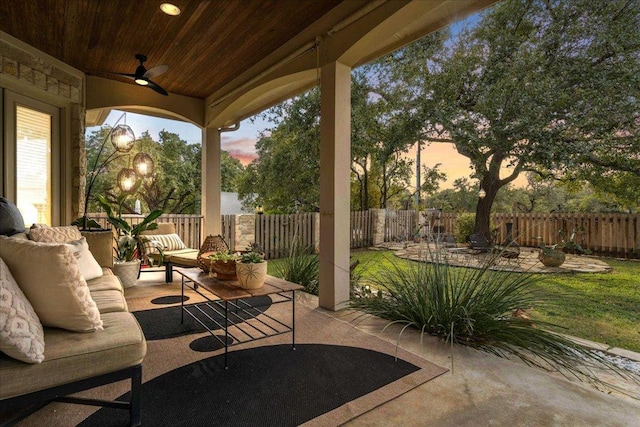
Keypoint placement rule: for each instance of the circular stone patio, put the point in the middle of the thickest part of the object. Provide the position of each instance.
(527, 261)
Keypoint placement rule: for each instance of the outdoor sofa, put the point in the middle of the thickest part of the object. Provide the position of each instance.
(71, 361)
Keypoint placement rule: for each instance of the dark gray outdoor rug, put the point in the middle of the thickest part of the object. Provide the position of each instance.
(265, 386)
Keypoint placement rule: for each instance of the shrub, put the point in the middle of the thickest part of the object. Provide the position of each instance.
(480, 308)
(464, 226)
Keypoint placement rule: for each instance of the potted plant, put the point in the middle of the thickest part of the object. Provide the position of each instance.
(223, 265)
(127, 251)
(552, 256)
(251, 269)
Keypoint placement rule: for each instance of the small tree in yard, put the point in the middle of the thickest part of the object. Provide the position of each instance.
(550, 87)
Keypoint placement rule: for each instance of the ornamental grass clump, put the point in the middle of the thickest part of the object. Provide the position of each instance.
(302, 266)
(478, 307)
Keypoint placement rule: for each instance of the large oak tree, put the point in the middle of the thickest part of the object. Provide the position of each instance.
(550, 87)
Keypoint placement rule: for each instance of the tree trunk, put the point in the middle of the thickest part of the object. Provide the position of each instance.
(491, 185)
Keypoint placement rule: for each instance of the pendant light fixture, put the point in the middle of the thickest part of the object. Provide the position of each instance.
(122, 137)
(143, 163)
(127, 179)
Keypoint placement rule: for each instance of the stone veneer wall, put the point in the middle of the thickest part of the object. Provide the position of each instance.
(41, 74)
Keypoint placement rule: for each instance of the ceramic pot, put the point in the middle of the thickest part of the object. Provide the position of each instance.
(553, 258)
(127, 272)
(251, 276)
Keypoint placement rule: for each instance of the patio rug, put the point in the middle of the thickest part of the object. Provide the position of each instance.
(337, 373)
(270, 385)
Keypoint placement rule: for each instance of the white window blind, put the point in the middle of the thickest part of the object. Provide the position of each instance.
(33, 165)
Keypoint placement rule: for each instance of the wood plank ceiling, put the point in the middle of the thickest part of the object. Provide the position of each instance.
(206, 46)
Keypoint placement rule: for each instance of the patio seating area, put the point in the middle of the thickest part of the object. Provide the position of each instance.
(527, 260)
(475, 389)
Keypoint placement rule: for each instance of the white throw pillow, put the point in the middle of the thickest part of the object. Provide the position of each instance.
(50, 278)
(89, 267)
(21, 334)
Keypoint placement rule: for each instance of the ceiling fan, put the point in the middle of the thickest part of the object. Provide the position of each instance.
(143, 77)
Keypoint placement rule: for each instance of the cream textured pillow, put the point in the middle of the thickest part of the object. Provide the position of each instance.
(50, 278)
(89, 267)
(21, 334)
(54, 234)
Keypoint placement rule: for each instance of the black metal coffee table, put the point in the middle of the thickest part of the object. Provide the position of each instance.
(231, 310)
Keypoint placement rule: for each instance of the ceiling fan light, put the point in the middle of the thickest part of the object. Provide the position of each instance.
(127, 179)
(143, 164)
(122, 138)
(170, 9)
(142, 82)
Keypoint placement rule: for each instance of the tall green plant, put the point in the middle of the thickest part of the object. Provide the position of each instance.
(477, 308)
(128, 234)
(302, 266)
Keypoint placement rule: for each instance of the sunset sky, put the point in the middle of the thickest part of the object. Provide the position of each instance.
(241, 143)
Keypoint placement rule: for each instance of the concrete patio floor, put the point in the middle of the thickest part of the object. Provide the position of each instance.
(482, 389)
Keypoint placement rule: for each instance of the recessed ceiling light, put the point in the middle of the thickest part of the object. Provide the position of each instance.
(170, 9)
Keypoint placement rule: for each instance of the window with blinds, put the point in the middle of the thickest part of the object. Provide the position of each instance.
(33, 165)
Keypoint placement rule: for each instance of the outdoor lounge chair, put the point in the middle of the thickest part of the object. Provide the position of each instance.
(174, 251)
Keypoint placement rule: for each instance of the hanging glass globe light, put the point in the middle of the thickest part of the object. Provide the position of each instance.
(143, 164)
(122, 138)
(127, 179)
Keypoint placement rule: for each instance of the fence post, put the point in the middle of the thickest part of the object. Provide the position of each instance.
(244, 231)
(316, 232)
(378, 219)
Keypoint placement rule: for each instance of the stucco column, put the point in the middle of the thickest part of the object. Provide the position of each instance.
(335, 155)
(211, 182)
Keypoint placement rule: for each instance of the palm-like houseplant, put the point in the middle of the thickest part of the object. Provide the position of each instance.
(127, 250)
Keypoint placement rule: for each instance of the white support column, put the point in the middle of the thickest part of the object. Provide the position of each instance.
(211, 182)
(335, 158)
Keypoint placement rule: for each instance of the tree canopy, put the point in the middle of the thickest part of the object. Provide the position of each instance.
(548, 87)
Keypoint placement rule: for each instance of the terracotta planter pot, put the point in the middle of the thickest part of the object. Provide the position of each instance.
(224, 270)
(553, 258)
(251, 276)
(127, 272)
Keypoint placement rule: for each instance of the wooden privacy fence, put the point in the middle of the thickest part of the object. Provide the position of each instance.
(603, 234)
(188, 227)
(229, 231)
(277, 234)
(400, 225)
(361, 229)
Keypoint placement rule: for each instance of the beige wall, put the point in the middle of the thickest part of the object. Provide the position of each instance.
(29, 72)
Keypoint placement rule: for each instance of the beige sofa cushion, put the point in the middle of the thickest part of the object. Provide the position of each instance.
(108, 281)
(21, 334)
(73, 356)
(109, 301)
(50, 278)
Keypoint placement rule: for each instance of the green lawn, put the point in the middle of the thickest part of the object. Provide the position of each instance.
(599, 307)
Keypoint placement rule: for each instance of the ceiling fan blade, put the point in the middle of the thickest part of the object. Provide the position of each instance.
(156, 71)
(157, 88)
(127, 75)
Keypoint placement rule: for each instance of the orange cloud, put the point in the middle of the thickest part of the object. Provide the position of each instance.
(243, 149)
